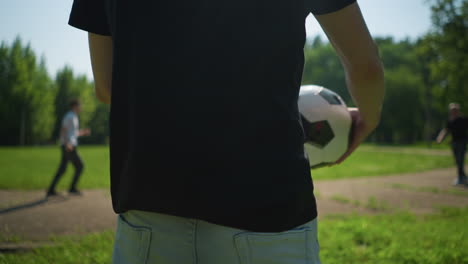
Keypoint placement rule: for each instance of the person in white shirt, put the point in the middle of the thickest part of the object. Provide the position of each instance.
(69, 134)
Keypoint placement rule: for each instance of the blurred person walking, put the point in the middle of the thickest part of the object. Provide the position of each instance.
(457, 125)
(69, 133)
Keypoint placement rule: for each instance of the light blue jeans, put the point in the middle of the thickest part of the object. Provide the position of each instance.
(152, 238)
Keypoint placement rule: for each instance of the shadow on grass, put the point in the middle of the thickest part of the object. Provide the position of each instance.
(5, 250)
(32, 204)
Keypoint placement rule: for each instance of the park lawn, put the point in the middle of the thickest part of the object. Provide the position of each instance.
(445, 145)
(370, 161)
(33, 167)
(90, 249)
(402, 238)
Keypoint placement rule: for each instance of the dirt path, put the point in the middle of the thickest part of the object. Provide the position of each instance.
(422, 192)
(26, 216)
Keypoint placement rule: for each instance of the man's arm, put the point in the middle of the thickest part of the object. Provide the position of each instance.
(100, 48)
(348, 33)
(441, 135)
(84, 132)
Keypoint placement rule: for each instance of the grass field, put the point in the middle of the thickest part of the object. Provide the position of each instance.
(378, 161)
(34, 167)
(402, 238)
(381, 239)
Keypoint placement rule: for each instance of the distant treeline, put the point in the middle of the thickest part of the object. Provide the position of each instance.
(32, 104)
(422, 77)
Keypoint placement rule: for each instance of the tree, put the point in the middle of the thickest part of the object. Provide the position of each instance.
(323, 67)
(449, 38)
(26, 96)
(426, 54)
(99, 125)
(401, 120)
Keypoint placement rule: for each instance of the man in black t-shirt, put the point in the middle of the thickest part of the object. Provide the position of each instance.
(225, 74)
(457, 125)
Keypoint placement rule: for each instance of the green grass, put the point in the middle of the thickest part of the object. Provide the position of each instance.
(369, 161)
(377, 205)
(345, 200)
(34, 167)
(402, 238)
(90, 249)
(372, 203)
(341, 199)
(445, 145)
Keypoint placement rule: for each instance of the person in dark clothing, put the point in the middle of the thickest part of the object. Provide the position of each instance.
(69, 133)
(224, 74)
(457, 125)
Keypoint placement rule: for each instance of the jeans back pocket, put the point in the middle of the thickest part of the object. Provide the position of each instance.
(131, 244)
(290, 247)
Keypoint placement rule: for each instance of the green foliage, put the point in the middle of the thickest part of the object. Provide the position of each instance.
(450, 39)
(322, 67)
(422, 77)
(32, 105)
(443, 56)
(99, 125)
(401, 115)
(404, 102)
(26, 96)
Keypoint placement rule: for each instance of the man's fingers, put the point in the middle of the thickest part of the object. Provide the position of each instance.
(350, 150)
(344, 157)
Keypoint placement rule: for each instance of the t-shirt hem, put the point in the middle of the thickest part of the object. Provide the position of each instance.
(267, 226)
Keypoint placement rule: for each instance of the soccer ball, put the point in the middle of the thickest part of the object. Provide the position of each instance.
(326, 122)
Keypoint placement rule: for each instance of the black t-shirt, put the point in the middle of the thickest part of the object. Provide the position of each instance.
(458, 127)
(204, 117)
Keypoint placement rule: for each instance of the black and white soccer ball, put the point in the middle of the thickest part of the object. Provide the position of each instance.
(326, 122)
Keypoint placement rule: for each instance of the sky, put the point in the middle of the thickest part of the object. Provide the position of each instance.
(43, 24)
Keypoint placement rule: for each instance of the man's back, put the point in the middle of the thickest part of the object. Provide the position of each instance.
(458, 128)
(70, 127)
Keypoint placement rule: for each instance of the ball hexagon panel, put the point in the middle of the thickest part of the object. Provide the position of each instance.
(318, 133)
(331, 97)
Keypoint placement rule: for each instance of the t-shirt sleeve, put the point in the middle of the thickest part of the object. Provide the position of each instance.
(91, 16)
(321, 7)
